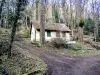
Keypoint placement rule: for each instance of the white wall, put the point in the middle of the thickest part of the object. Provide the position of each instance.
(53, 35)
(37, 35)
(32, 33)
(68, 36)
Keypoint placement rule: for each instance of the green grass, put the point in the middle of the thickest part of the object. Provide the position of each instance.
(23, 65)
(9, 65)
(38, 74)
(27, 33)
(78, 50)
(81, 52)
(35, 43)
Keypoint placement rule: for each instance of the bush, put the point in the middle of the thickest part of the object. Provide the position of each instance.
(98, 38)
(89, 26)
(58, 43)
(27, 34)
(61, 21)
(82, 23)
(86, 33)
(75, 47)
(36, 43)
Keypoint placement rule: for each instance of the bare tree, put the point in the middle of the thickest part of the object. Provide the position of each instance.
(17, 12)
(2, 4)
(78, 16)
(42, 23)
(95, 13)
(65, 11)
(71, 18)
(37, 10)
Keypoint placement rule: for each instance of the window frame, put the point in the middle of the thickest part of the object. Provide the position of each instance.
(48, 33)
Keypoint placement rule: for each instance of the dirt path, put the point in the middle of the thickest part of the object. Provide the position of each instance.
(64, 65)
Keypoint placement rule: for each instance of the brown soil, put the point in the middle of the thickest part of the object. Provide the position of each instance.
(64, 64)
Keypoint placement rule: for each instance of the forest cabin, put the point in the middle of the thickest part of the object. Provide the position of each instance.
(52, 30)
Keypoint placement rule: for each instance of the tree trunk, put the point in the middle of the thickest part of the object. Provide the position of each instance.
(42, 23)
(78, 17)
(26, 22)
(14, 28)
(65, 12)
(2, 3)
(71, 19)
(37, 11)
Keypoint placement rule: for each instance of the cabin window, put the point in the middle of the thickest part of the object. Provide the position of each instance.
(48, 34)
(64, 34)
(57, 34)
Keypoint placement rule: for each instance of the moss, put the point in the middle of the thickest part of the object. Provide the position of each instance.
(27, 33)
(20, 65)
(9, 65)
(36, 43)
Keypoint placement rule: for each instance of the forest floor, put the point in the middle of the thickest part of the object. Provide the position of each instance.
(63, 64)
(21, 62)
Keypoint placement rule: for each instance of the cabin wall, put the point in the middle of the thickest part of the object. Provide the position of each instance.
(35, 35)
(32, 33)
(68, 36)
(53, 35)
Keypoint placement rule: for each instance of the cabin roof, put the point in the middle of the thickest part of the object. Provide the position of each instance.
(52, 26)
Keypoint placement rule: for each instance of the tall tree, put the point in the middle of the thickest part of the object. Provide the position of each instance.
(19, 4)
(78, 17)
(37, 10)
(71, 18)
(42, 23)
(1, 7)
(95, 13)
(65, 11)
